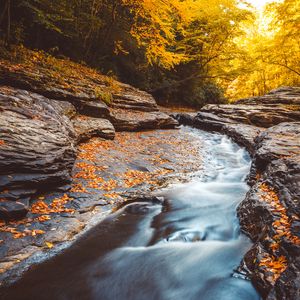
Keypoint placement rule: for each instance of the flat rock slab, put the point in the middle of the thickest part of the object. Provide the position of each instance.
(106, 174)
(124, 120)
(256, 115)
(284, 95)
(88, 127)
(36, 143)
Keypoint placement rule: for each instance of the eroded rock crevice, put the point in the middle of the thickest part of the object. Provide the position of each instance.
(269, 128)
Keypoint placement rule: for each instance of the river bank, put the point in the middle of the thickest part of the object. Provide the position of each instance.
(268, 127)
(187, 243)
(71, 151)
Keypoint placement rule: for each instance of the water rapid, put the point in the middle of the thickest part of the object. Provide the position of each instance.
(186, 248)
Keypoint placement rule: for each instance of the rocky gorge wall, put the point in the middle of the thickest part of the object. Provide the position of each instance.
(269, 127)
(47, 110)
(48, 107)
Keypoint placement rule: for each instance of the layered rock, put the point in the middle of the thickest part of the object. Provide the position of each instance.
(47, 96)
(88, 127)
(256, 115)
(36, 146)
(283, 95)
(125, 120)
(270, 214)
(131, 98)
(92, 94)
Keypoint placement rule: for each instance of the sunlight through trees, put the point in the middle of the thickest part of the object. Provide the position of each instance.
(190, 50)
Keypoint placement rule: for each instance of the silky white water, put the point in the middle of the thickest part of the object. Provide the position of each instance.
(186, 248)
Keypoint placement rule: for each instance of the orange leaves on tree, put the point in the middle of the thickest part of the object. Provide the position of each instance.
(2, 142)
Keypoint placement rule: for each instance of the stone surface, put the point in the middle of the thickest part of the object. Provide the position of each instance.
(92, 93)
(131, 98)
(277, 161)
(36, 143)
(10, 210)
(281, 105)
(124, 120)
(270, 213)
(88, 127)
(283, 95)
(107, 173)
(257, 115)
(242, 134)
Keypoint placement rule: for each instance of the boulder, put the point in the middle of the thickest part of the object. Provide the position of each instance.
(131, 98)
(87, 127)
(125, 120)
(36, 143)
(10, 210)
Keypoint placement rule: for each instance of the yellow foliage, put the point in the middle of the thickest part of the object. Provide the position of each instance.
(271, 51)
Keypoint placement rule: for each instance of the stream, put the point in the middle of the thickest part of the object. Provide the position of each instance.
(184, 247)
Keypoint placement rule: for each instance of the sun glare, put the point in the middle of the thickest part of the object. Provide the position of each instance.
(263, 19)
(260, 4)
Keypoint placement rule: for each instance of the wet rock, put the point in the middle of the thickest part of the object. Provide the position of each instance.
(277, 161)
(124, 120)
(10, 210)
(185, 118)
(87, 127)
(36, 143)
(242, 134)
(270, 213)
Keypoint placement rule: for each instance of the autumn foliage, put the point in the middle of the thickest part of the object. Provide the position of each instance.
(274, 263)
(186, 51)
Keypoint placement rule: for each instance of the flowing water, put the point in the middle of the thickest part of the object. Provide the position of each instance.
(184, 248)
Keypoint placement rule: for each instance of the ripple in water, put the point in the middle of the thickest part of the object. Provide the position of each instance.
(186, 249)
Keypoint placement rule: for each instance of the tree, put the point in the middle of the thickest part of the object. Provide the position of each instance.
(272, 52)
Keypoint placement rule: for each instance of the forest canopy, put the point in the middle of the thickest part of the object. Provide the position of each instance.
(182, 51)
